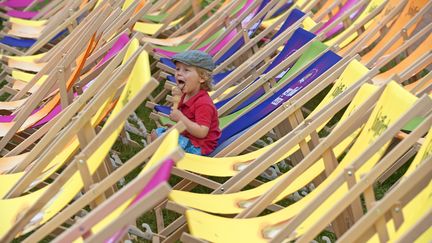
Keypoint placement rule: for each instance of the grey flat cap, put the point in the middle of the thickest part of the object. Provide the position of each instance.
(195, 58)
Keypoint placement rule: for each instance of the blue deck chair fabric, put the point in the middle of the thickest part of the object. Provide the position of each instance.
(323, 63)
(298, 39)
(25, 42)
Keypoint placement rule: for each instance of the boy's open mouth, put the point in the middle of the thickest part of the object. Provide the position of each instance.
(180, 84)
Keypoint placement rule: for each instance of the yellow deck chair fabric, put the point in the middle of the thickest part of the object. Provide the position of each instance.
(392, 104)
(10, 208)
(419, 205)
(152, 28)
(168, 145)
(236, 202)
(27, 22)
(9, 180)
(370, 7)
(230, 166)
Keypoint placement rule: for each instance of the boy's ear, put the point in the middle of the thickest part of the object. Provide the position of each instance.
(202, 80)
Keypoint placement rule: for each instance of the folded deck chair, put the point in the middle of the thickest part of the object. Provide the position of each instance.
(365, 186)
(104, 220)
(269, 226)
(73, 179)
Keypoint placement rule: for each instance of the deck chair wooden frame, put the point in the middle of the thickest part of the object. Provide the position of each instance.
(116, 200)
(57, 73)
(391, 204)
(93, 143)
(102, 186)
(365, 185)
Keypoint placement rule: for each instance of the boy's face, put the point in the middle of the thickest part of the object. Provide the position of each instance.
(188, 79)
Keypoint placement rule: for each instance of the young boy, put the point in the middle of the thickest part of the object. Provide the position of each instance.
(195, 109)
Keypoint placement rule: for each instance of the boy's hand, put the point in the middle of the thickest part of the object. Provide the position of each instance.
(176, 91)
(176, 115)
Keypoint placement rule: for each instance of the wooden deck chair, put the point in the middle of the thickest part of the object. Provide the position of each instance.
(410, 222)
(52, 30)
(407, 21)
(271, 229)
(215, 34)
(11, 180)
(73, 176)
(19, 80)
(101, 222)
(412, 64)
(379, 26)
(364, 185)
(348, 11)
(227, 10)
(104, 95)
(23, 116)
(372, 9)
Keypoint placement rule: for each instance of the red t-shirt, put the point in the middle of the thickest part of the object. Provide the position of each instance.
(200, 109)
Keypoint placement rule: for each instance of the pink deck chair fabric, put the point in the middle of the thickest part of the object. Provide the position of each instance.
(160, 176)
(347, 6)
